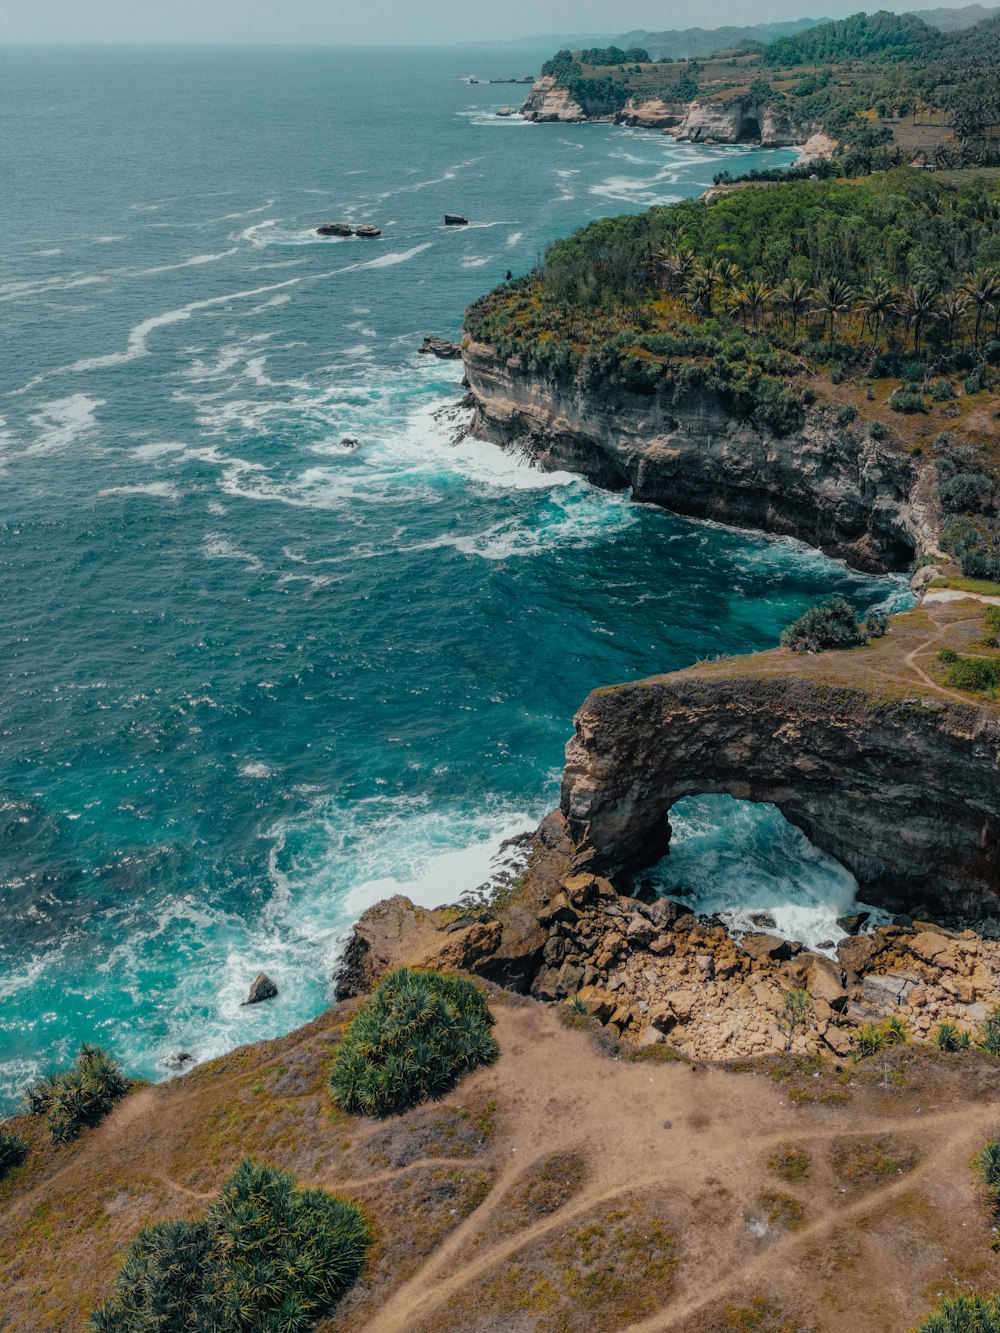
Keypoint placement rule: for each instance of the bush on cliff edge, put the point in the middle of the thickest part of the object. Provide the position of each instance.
(968, 1314)
(832, 624)
(416, 1037)
(265, 1256)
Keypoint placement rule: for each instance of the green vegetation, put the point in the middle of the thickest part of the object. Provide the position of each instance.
(860, 78)
(791, 1164)
(747, 295)
(13, 1151)
(966, 1314)
(976, 674)
(832, 624)
(949, 1037)
(415, 1038)
(870, 1038)
(794, 1015)
(266, 1256)
(81, 1096)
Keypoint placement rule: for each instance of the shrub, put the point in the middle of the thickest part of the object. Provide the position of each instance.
(989, 1038)
(871, 1038)
(81, 1096)
(966, 491)
(948, 1037)
(973, 673)
(832, 624)
(877, 431)
(419, 1033)
(13, 1151)
(967, 1314)
(265, 1256)
(845, 415)
(908, 401)
(941, 391)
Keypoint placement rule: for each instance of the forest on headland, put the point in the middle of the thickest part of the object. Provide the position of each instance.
(889, 284)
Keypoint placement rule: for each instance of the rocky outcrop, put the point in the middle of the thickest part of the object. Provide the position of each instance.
(261, 988)
(652, 113)
(817, 148)
(442, 348)
(740, 121)
(829, 484)
(548, 101)
(900, 784)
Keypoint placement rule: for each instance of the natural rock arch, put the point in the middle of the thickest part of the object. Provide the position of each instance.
(905, 793)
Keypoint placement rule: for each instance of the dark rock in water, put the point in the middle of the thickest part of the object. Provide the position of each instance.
(763, 919)
(825, 944)
(177, 1060)
(367, 232)
(441, 348)
(455, 220)
(263, 988)
(903, 919)
(853, 924)
(350, 442)
(335, 229)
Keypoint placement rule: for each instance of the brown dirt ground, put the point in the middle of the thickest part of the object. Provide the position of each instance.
(568, 1188)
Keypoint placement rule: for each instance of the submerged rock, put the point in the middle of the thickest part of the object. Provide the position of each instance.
(335, 229)
(263, 988)
(455, 220)
(350, 442)
(177, 1060)
(854, 923)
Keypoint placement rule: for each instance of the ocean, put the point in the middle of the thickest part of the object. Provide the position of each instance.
(255, 679)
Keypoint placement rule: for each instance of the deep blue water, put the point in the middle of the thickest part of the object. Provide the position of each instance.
(253, 681)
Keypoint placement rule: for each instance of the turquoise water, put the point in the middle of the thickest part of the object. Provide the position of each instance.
(253, 680)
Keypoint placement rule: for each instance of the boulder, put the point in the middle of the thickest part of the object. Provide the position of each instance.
(558, 909)
(350, 442)
(823, 982)
(934, 949)
(262, 988)
(367, 232)
(455, 220)
(761, 947)
(887, 988)
(335, 229)
(442, 348)
(664, 912)
(640, 932)
(177, 1060)
(854, 923)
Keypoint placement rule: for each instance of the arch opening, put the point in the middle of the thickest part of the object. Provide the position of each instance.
(746, 863)
(749, 131)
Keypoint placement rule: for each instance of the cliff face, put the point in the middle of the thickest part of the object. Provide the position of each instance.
(738, 122)
(896, 778)
(652, 113)
(549, 101)
(827, 484)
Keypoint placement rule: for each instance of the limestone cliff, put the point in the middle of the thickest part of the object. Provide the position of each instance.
(550, 101)
(865, 750)
(829, 484)
(652, 113)
(739, 121)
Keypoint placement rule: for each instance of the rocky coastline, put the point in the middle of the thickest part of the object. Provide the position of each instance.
(830, 483)
(702, 120)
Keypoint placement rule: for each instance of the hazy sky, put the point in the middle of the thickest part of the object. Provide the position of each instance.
(401, 21)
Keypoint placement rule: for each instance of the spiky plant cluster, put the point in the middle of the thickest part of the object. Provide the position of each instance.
(419, 1033)
(950, 1037)
(81, 1096)
(267, 1257)
(13, 1151)
(967, 1314)
(832, 624)
(870, 1038)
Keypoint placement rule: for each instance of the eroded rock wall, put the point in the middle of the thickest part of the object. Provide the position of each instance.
(830, 485)
(904, 792)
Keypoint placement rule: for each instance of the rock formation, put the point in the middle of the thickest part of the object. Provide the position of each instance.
(367, 232)
(442, 348)
(897, 778)
(262, 988)
(831, 485)
(739, 121)
(335, 229)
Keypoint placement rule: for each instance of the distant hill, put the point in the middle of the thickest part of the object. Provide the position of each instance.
(951, 20)
(705, 41)
(689, 42)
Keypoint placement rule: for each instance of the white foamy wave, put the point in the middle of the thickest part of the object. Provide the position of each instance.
(476, 262)
(62, 422)
(748, 865)
(256, 768)
(160, 490)
(194, 262)
(216, 547)
(515, 238)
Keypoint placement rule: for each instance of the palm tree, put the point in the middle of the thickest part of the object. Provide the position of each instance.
(793, 296)
(919, 304)
(757, 295)
(728, 275)
(675, 265)
(739, 303)
(832, 297)
(704, 278)
(878, 302)
(984, 290)
(953, 310)
(698, 290)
